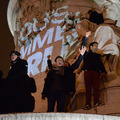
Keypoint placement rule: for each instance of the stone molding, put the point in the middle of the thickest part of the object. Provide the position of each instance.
(56, 116)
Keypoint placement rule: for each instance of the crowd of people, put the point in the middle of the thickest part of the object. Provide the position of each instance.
(59, 84)
(60, 80)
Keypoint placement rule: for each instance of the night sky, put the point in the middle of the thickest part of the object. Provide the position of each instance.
(6, 38)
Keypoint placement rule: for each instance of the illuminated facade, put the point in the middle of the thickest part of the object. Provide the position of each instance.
(42, 27)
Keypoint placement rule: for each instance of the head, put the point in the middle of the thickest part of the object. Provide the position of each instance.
(93, 47)
(59, 61)
(14, 55)
(111, 10)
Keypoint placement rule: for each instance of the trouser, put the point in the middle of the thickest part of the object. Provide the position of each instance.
(60, 98)
(67, 101)
(91, 81)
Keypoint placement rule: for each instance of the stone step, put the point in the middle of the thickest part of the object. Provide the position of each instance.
(57, 116)
(106, 109)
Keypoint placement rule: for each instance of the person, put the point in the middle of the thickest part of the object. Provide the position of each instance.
(15, 84)
(2, 94)
(28, 100)
(71, 76)
(93, 67)
(55, 84)
(70, 84)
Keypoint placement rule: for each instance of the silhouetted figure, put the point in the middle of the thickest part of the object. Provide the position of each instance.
(55, 88)
(93, 67)
(70, 84)
(29, 87)
(18, 86)
(2, 94)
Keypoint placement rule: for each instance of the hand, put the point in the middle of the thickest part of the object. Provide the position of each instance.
(88, 34)
(48, 57)
(82, 51)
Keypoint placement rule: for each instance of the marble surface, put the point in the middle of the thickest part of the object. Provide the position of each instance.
(56, 116)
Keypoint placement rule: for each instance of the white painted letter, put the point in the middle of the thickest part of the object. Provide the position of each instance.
(37, 40)
(33, 63)
(48, 51)
(24, 50)
(58, 34)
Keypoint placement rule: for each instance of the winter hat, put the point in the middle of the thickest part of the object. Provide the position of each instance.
(15, 52)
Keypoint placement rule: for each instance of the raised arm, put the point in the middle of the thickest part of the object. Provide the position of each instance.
(49, 62)
(85, 39)
(76, 64)
(82, 52)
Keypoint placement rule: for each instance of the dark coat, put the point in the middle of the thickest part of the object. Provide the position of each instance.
(19, 87)
(68, 77)
(18, 69)
(16, 76)
(67, 82)
(92, 61)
